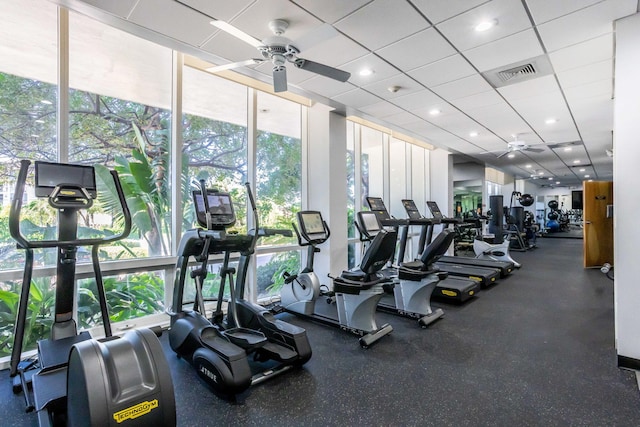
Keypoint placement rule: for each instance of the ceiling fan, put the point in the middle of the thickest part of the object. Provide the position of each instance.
(519, 145)
(279, 50)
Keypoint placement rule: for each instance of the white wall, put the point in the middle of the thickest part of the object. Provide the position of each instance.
(441, 184)
(625, 190)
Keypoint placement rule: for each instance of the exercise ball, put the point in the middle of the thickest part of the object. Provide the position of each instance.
(553, 204)
(553, 215)
(526, 200)
(553, 225)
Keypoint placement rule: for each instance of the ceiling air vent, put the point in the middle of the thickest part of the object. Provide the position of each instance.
(519, 71)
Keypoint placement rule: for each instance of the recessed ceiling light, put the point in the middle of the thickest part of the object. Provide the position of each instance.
(568, 148)
(551, 121)
(511, 155)
(434, 112)
(366, 72)
(575, 162)
(527, 166)
(540, 173)
(590, 180)
(550, 178)
(485, 25)
(582, 169)
(557, 182)
(586, 176)
(473, 134)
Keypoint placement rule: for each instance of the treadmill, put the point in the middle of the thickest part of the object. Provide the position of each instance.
(505, 267)
(450, 289)
(486, 275)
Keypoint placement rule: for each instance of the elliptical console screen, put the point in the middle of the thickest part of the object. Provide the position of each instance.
(51, 175)
(435, 210)
(220, 209)
(312, 225)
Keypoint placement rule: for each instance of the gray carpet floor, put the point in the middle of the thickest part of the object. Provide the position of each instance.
(536, 349)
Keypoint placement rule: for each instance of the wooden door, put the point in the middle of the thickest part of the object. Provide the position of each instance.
(598, 228)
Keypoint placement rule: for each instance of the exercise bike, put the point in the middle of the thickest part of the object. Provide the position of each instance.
(498, 248)
(220, 348)
(78, 380)
(355, 294)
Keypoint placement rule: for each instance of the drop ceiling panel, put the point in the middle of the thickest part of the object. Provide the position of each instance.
(325, 86)
(405, 84)
(545, 10)
(418, 100)
(417, 50)
(585, 24)
(463, 87)
(381, 69)
(119, 8)
(219, 9)
(381, 23)
(594, 114)
(499, 53)
(446, 70)
(172, 19)
(356, 98)
(478, 100)
(381, 109)
(500, 119)
(597, 89)
(401, 118)
(231, 48)
(581, 54)
(330, 10)
(510, 15)
(335, 51)
(529, 88)
(602, 70)
(440, 10)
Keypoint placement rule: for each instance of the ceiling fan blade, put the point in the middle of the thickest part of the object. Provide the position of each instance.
(234, 65)
(322, 33)
(503, 154)
(534, 150)
(323, 70)
(279, 78)
(236, 32)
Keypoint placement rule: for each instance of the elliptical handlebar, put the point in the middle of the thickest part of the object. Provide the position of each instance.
(16, 207)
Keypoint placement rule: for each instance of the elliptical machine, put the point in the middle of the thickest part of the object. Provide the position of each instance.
(78, 380)
(498, 249)
(355, 294)
(219, 348)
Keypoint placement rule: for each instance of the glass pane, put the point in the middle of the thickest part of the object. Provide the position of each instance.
(270, 268)
(397, 177)
(351, 191)
(371, 167)
(278, 164)
(120, 118)
(215, 141)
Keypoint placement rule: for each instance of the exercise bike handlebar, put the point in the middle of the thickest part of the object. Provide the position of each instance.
(16, 207)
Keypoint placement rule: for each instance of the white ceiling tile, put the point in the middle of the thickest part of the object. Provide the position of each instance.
(446, 70)
(585, 24)
(578, 55)
(460, 31)
(335, 51)
(601, 89)
(417, 50)
(422, 99)
(231, 48)
(478, 100)
(602, 70)
(172, 19)
(545, 10)
(381, 69)
(325, 86)
(356, 98)
(500, 119)
(119, 8)
(331, 10)
(401, 118)
(439, 10)
(406, 86)
(381, 109)
(463, 87)
(381, 23)
(529, 88)
(510, 49)
(219, 9)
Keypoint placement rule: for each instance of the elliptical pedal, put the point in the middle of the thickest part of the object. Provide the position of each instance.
(278, 352)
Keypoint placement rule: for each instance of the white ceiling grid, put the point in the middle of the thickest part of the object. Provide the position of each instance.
(429, 50)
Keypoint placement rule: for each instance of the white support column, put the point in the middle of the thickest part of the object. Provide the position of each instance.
(441, 184)
(625, 191)
(326, 185)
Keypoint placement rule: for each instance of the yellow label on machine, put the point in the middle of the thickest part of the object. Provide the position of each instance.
(135, 411)
(479, 279)
(449, 293)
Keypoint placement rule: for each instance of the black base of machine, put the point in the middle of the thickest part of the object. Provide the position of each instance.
(455, 290)
(486, 276)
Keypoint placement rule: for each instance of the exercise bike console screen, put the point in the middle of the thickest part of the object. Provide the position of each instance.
(51, 175)
(220, 209)
(369, 221)
(312, 225)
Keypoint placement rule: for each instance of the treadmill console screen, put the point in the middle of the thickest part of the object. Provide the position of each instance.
(312, 225)
(435, 210)
(412, 209)
(376, 204)
(220, 209)
(51, 175)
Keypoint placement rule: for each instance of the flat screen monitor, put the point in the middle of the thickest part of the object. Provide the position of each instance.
(369, 221)
(376, 204)
(312, 225)
(412, 209)
(51, 175)
(220, 209)
(576, 199)
(435, 210)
